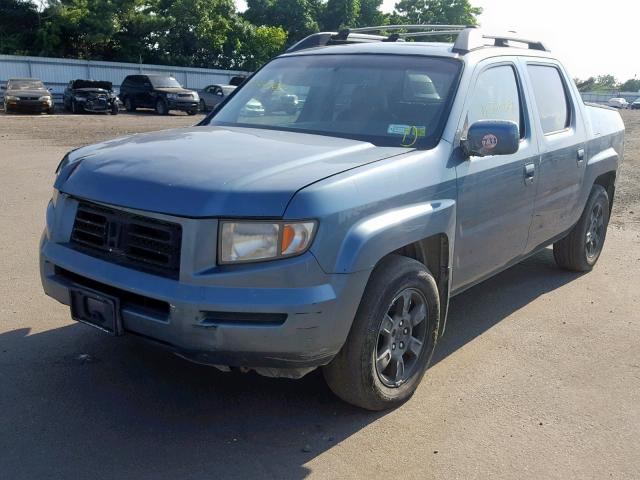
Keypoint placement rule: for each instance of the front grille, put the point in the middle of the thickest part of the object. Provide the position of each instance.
(184, 95)
(29, 98)
(130, 240)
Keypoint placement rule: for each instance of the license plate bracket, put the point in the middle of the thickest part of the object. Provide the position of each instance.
(97, 310)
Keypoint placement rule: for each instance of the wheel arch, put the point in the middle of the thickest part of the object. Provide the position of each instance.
(608, 181)
(423, 232)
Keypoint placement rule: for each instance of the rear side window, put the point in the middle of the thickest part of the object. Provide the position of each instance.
(551, 98)
(496, 97)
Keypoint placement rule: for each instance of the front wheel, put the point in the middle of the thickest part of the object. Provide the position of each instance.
(203, 106)
(75, 108)
(580, 249)
(115, 108)
(161, 107)
(392, 337)
(129, 105)
(192, 111)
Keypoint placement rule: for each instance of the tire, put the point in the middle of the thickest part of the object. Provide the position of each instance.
(192, 112)
(354, 374)
(580, 249)
(115, 109)
(52, 110)
(75, 108)
(161, 107)
(129, 105)
(203, 106)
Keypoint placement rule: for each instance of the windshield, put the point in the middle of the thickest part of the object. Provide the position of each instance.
(164, 82)
(388, 100)
(25, 85)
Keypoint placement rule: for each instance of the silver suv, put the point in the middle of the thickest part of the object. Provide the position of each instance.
(332, 233)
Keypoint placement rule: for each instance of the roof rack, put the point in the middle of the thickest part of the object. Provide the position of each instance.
(468, 37)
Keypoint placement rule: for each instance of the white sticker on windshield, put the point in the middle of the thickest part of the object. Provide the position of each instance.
(412, 130)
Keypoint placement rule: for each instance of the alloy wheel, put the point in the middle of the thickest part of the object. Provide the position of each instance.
(401, 337)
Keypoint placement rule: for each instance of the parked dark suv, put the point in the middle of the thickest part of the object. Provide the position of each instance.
(160, 92)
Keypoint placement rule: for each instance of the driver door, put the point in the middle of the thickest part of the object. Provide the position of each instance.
(495, 193)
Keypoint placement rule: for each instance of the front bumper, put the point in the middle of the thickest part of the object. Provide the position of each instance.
(28, 105)
(182, 106)
(281, 314)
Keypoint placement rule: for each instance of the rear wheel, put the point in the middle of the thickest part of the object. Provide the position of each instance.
(580, 249)
(392, 337)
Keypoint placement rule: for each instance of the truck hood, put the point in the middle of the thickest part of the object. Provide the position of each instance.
(209, 171)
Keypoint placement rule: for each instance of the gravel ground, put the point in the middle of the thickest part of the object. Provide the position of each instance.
(538, 375)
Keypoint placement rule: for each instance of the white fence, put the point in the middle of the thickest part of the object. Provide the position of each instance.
(57, 72)
(603, 97)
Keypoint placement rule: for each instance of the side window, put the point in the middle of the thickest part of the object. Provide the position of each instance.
(497, 97)
(551, 97)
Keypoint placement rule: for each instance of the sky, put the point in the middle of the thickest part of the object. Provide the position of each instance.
(590, 38)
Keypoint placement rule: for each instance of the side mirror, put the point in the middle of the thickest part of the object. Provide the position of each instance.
(491, 137)
(50, 89)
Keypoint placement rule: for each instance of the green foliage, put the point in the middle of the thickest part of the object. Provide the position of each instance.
(18, 27)
(631, 85)
(601, 83)
(196, 33)
(298, 18)
(445, 12)
(339, 14)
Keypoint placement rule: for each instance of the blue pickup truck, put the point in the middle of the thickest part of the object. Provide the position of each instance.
(333, 234)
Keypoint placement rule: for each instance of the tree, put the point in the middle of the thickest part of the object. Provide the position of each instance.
(370, 14)
(631, 85)
(339, 14)
(445, 12)
(298, 18)
(18, 27)
(254, 46)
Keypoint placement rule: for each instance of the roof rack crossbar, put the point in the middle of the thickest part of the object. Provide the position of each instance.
(468, 38)
(428, 34)
(389, 28)
(471, 39)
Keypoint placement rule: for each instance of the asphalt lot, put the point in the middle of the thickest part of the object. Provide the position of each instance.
(537, 377)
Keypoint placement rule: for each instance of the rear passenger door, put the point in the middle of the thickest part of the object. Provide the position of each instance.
(495, 193)
(561, 137)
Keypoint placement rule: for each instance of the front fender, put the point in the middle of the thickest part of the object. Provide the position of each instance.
(373, 237)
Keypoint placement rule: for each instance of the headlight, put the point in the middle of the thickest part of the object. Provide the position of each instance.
(12, 98)
(80, 98)
(196, 97)
(172, 96)
(44, 98)
(256, 241)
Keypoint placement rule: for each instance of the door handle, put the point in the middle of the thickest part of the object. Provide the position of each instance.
(580, 156)
(529, 172)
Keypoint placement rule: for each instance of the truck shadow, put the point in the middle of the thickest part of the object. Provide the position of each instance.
(130, 410)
